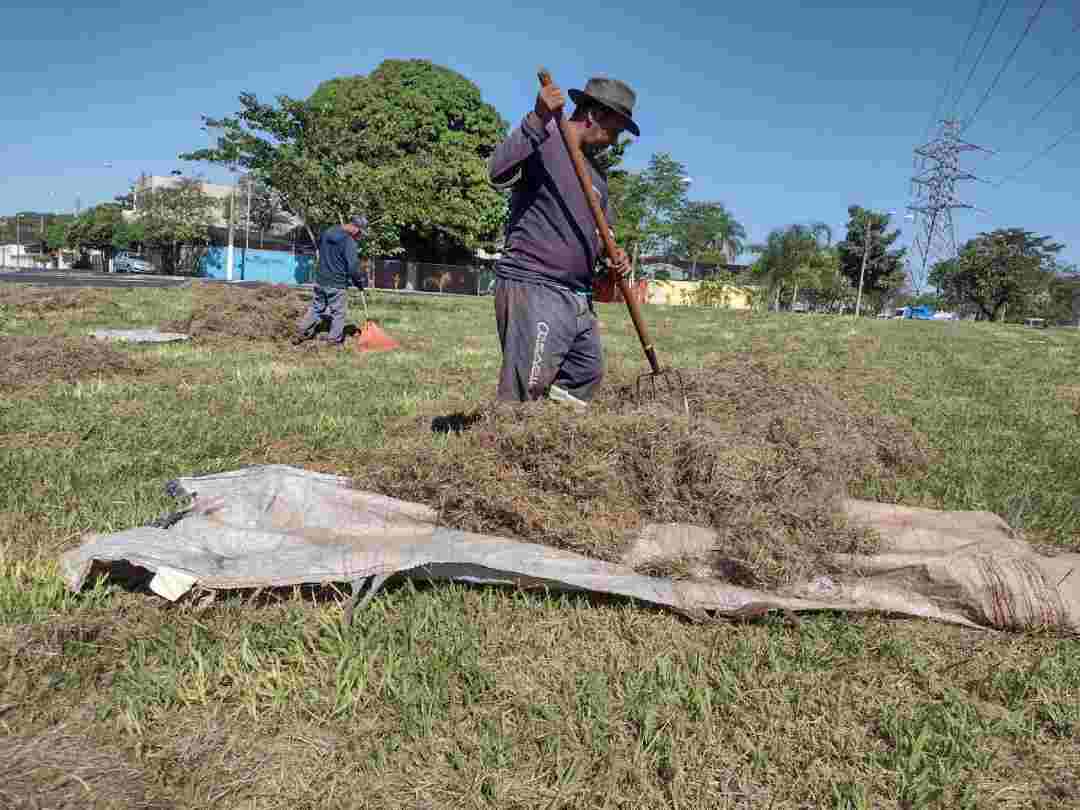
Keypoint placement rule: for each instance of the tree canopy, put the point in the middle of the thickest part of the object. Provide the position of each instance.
(175, 217)
(100, 228)
(1009, 267)
(797, 256)
(707, 231)
(884, 267)
(646, 205)
(406, 145)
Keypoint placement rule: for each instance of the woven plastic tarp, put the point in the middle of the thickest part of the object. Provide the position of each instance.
(273, 525)
(138, 335)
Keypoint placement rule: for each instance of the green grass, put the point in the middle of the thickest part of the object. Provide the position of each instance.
(467, 697)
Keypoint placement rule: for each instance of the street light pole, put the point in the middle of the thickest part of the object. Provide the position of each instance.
(229, 252)
(247, 223)
(862, 272)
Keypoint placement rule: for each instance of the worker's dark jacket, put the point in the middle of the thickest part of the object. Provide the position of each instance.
(338, 261)
(551, 238)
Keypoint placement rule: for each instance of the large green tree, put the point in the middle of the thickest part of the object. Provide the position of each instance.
(646, 205)
(26, 226)
(827, 285)
(707, 231)
(1005, 269)
(56, 235)
(177, 217)
(406, 145)
(791, 257)
(259, 207)
(103, 228)
(1062, 304)
(884, 266)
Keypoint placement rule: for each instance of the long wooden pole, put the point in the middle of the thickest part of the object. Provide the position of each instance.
(605, 232)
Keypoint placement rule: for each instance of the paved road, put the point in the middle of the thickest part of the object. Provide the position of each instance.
(82, 278)
(85, 278)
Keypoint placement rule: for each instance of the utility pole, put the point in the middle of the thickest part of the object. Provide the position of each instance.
(18, 245)
(862, 272)
(936, 194)
(229, 251)
(865, 255)
(247, 224)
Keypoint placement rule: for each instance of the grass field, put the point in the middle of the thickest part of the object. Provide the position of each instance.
(453, 696)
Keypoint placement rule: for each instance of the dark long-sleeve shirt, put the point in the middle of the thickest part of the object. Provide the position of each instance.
(551, 237)
(339, 264)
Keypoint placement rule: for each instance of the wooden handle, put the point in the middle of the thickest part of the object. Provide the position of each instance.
(605, 232)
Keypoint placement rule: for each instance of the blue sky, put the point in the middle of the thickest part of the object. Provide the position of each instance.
(785, 111)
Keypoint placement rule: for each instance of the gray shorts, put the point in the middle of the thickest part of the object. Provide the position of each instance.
(549, 338)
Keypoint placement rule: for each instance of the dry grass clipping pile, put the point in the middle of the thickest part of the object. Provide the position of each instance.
(268, 312)
(67, 771)
(762, 462)
(28, 361)
(34, 300)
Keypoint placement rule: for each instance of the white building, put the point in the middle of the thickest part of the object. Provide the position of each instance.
(16, 256)
(154, 182)
(219, 191)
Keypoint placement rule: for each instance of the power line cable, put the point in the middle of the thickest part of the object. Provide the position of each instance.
(1006, 63)
(1037, 157)
(1053, 56)
(982, 52)
(1056, 96)
(959, 59)
(948, 84)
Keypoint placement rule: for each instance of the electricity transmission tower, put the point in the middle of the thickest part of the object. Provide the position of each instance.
(936, 197)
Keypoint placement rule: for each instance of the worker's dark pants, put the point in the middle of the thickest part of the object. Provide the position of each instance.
(326, 304)
(549, 338)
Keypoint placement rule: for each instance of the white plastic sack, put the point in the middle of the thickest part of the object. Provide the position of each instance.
(138, 335)
(275, 525)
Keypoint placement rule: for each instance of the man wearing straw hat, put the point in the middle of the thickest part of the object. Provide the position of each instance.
(543, 290)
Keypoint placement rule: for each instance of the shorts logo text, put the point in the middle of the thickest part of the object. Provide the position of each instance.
(542, 330)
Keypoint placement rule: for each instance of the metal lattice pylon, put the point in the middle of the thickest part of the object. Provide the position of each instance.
(934, 189)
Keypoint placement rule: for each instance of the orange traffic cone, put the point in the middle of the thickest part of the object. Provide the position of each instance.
(372, 338)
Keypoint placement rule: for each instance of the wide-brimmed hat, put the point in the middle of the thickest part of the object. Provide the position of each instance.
(612, 94)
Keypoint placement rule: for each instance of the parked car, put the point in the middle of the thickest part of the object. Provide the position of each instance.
(126, 262)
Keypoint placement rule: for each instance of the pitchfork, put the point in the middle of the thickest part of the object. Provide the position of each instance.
(655, 382)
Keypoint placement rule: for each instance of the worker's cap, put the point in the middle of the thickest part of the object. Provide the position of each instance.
(360, 221)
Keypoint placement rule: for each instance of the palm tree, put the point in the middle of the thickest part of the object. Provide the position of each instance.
(788, 254)
(730, 237)
(708, 228)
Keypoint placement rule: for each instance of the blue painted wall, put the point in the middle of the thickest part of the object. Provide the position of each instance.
(273, 266)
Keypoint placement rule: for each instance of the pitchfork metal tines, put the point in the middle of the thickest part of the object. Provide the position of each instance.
(660, 383)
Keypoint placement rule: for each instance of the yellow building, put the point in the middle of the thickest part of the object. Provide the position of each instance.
(683, 293)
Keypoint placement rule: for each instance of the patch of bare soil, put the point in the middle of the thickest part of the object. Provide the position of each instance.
(763, 461)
